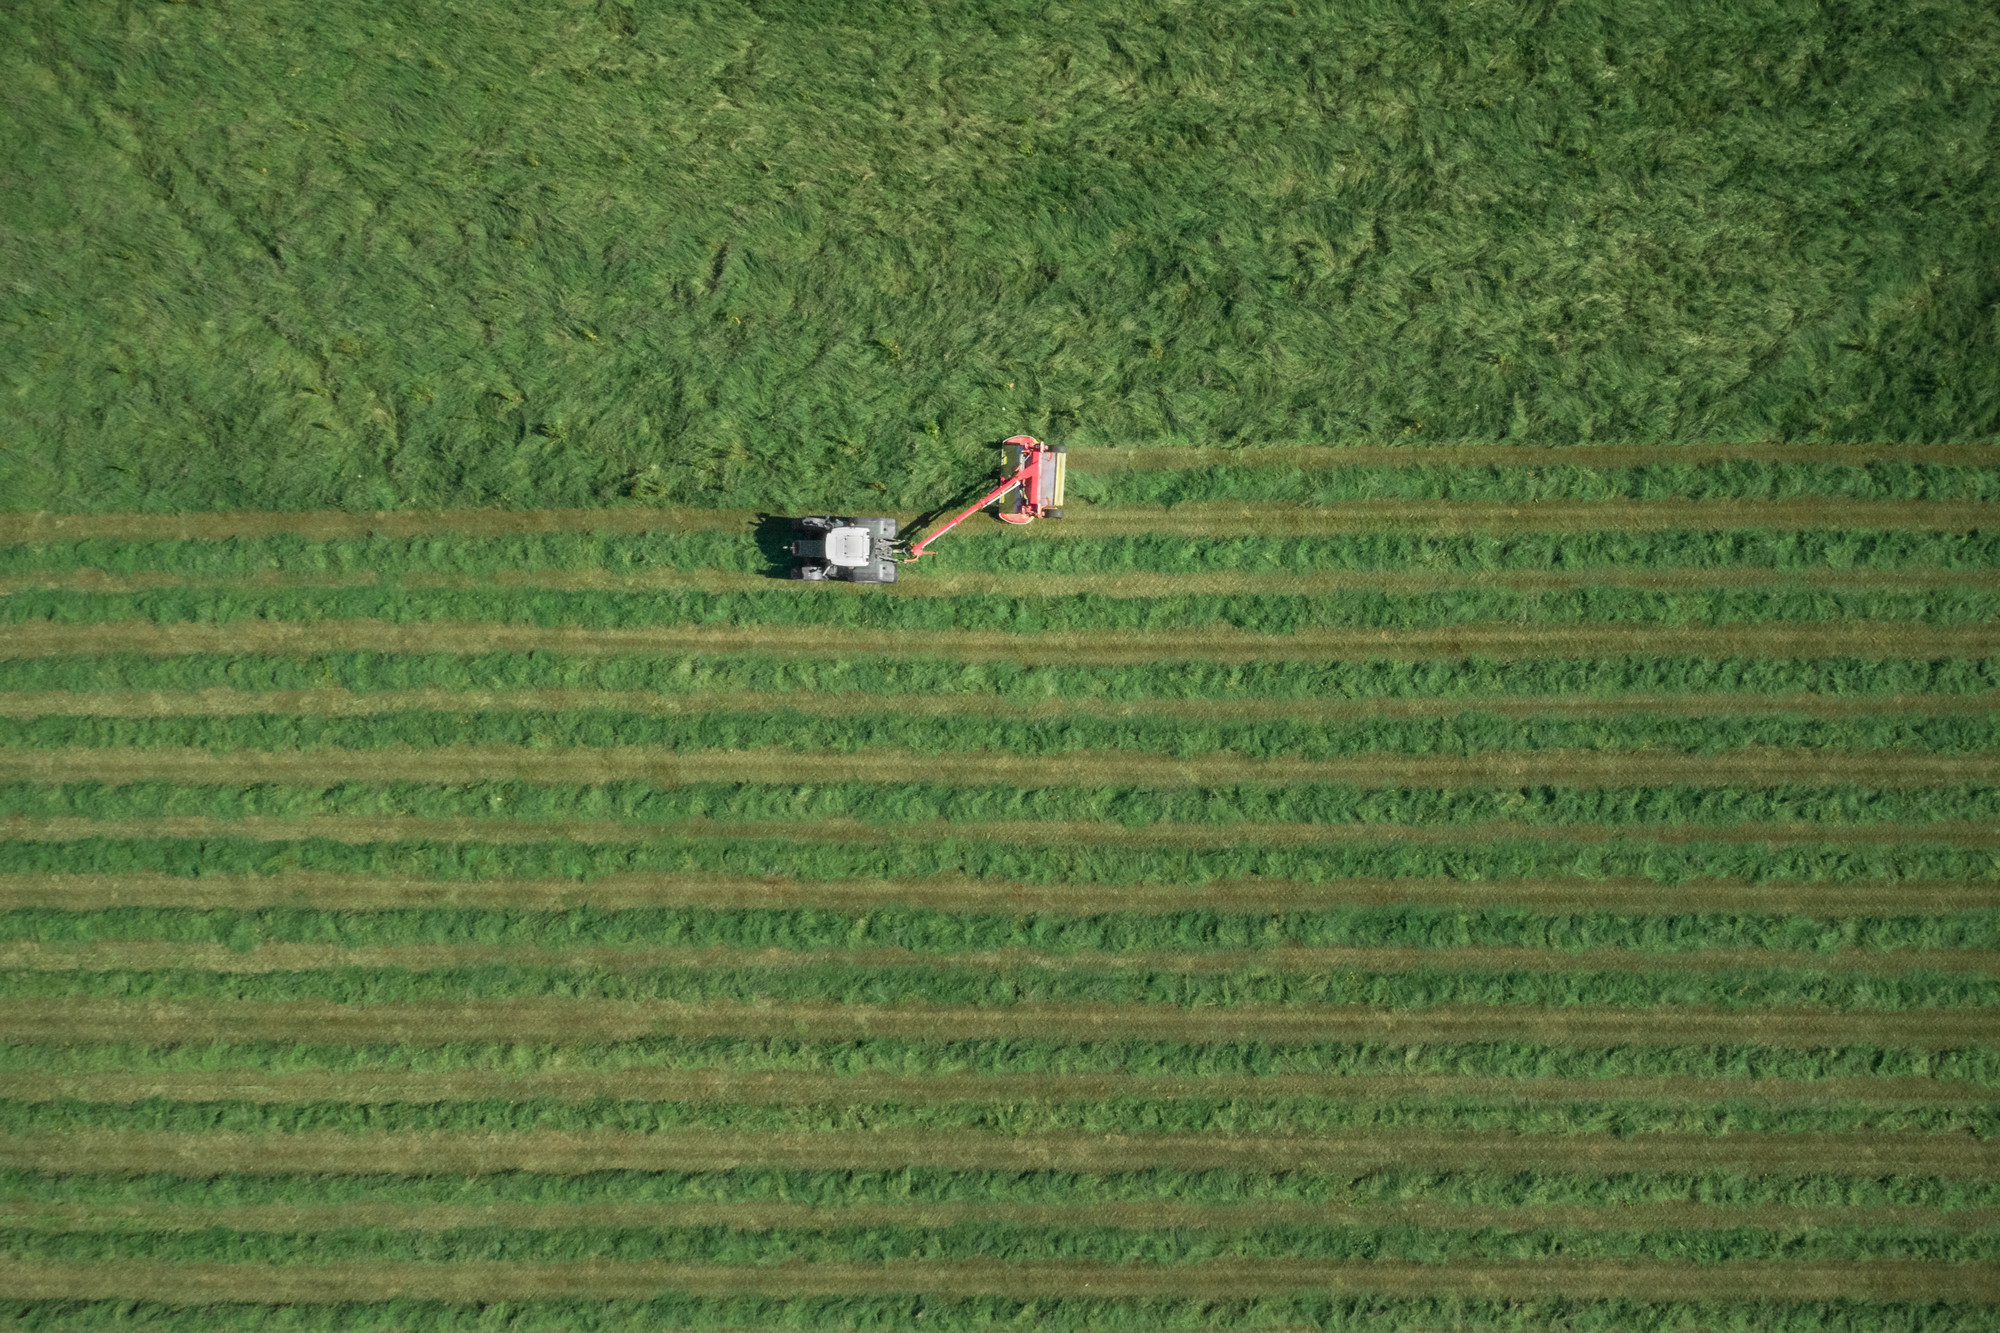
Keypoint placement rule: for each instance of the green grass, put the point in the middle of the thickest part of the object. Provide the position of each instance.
(1243, 813)
(389, 558)
(925, 855)
(1978, 1065)
(377, 255)
(1275, 1313)
(1261, 613)
(685, 676)
(1076, 932)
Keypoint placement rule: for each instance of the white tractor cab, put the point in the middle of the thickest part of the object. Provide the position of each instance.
(858, 550)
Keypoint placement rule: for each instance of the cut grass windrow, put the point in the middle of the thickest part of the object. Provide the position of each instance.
(570, 1153)
(540, 1021)
(973, 583)
(486, 1282)
(269, 957)
(790, 1088)
(333, 891)
(1859, 639)
(1147, 1216)
(365, 830)
(1749, 766)
(221, 702)
(1199, 519)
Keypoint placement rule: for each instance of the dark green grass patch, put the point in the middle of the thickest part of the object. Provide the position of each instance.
(921, 858)
(526, 255)
(1548, 478)
(685, 676)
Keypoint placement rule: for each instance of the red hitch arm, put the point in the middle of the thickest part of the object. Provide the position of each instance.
(1017, 479)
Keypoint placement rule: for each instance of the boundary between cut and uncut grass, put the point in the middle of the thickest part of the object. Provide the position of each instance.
(1314, 457)
(1499, 642)
(337, 891)
(541, 1021)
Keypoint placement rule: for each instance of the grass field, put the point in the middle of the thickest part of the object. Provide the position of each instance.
(1484, 816)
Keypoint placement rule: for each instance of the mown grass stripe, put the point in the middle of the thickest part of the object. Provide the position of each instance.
(1237, 1279)
(152, 955)
(1198, 519)
(973, 583)
(337, 891)
(375, 1086)
(568, 1021)
(571, 1153)
(1748, 766)
(339, 702)
(365, 830)
(1511, 642)
(1148, 1216)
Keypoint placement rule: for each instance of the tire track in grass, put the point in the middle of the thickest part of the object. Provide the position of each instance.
(787, 1088)
(334, 891)
(460, 765)
(1152, 1215)
(362, 830)
(557, 1022)
(158, 955)
(571, 1153)
(1235, 1279)
(959, 584)
(1499, 642)
(374, 703)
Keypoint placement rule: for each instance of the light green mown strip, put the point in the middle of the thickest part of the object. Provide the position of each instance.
(1863, 639)
(787, 1088)
(152, 955)
(1751, 766)
(369, 703)
(335, 891)
(1148, 1216)
(363, 830)
(1236, 1279)
(536, 1021)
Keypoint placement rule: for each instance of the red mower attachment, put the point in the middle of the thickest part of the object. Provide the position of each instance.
(1034, 478)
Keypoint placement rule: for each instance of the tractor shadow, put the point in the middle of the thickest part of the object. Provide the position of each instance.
(773, 534)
